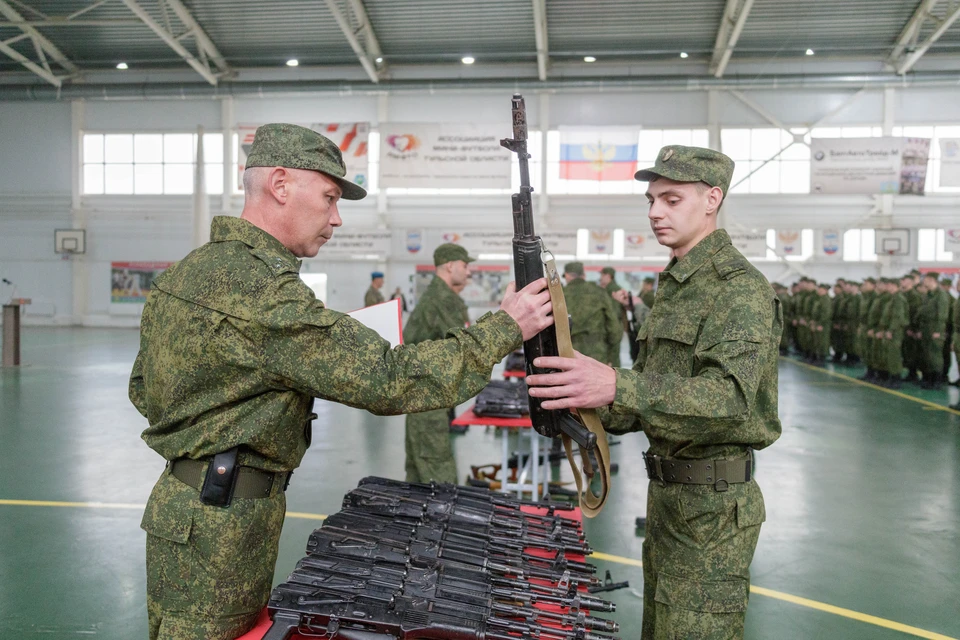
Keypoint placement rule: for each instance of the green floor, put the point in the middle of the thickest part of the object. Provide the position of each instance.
(863, 500)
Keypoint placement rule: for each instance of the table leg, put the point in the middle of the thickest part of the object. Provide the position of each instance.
(535, 450)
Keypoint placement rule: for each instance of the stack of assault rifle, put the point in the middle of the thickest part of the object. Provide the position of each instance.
(406, 561)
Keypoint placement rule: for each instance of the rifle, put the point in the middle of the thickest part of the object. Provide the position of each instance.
(530, 257)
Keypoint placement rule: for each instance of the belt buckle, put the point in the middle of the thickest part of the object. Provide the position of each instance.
(654, 467)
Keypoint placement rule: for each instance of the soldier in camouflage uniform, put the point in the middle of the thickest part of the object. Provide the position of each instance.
(872, 344)
(956, 337)
(596, 327)
(647, 294)
(373, 295)
(932, 328)
(894, 319)
(234, 348)
(912, 353)
(868, 293)
(946, 284)
(781, 292)
(821, 324)
(837, 333)
(704, 391)
(852, 316)
(440, 310)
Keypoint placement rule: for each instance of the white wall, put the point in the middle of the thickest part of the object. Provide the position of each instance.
(38, 192)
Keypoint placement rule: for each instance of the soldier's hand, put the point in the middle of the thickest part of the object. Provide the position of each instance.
(889, 335)
(581, 382)
(621, 296)
(530, 307)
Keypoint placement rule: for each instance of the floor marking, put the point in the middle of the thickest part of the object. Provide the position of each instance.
(770, 593)
(932, 405)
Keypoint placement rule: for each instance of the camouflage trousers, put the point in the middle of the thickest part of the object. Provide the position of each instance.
(932, 354)
(892, 353)
(696, 560)
(429, 449)
(209, 569)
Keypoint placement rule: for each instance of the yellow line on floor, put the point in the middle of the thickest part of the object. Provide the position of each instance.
(770, 593)
(847, 613)
(862, 383)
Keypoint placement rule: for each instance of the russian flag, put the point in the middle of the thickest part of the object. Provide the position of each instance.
(598, 155)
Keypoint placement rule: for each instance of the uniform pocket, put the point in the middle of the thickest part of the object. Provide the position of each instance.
(751, 512)
(727, 596)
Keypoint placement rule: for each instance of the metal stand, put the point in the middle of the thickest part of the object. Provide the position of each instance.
(11, 335)
(532, 473)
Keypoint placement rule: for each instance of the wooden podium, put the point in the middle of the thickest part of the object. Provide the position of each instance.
(11, 331)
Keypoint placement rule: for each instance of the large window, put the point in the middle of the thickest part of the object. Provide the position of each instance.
(859, 245)
(930, 246)
(149, 163)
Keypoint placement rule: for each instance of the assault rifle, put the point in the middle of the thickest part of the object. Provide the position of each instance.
(530, 257)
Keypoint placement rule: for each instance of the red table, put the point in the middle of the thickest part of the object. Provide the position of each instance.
(263, 624)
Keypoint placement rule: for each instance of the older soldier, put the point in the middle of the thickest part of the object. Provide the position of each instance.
(704, 391)
(373, 295)
(440, 310)
(234, 348)
(596, 327)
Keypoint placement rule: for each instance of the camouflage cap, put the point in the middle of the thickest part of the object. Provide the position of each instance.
(575, 268)
(824, 285)
(691, 164)
(946, 281)
(610, 271)
(870, 280)
(932, 274)
(449, 252)
(295, 147)
(649, 280)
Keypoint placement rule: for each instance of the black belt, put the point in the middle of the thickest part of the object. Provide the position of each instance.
(719, 473)
(251, 483)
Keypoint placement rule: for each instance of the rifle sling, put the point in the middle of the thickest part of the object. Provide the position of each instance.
(590, 502)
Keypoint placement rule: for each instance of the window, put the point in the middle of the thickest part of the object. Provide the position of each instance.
(149, 163)
(859, 245)
(930, 246)
(534, 139)
(650, 141)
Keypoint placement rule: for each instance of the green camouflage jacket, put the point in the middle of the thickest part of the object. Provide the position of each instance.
(934, 313)
(596, 326)
(896, 314)
(914, 302)
(372, 297)
(234, 347)
(705, 382)
(877, 307)
(438, 312)
(822, 311)
(866, 302)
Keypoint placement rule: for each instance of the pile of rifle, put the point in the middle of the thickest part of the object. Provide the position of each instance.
(406, 561)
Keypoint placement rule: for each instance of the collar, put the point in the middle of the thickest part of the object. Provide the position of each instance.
(228, 228)
(682, 269)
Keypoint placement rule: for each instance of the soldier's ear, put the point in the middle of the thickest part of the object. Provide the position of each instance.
(278, 184)
(714, 200)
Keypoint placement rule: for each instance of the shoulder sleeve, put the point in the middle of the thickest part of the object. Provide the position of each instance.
(329, 355)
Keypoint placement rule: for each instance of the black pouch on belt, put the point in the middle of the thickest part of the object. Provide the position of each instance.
(221, 478)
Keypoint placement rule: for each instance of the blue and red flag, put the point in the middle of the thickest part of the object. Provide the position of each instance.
(598, 155)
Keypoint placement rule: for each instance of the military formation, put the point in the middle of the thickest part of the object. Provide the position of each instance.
(902, 330)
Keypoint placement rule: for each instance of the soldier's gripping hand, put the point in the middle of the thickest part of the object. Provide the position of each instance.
(580, 382)
(530, 307)
(622, 296)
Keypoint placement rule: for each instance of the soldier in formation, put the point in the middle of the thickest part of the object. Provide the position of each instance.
(596, 324)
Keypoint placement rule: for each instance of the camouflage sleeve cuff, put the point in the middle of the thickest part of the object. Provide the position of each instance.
(498, 330)
(633, 395)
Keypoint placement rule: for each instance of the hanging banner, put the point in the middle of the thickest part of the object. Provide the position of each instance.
(951, 242)
(950, 162)
(130, 282)
(601, 154)
(869, 166)
(751, 245)
(361, 244)
(443, 156)
(643, 244)
(831, 244)
(600, 241)
(352, 138)
(789, 242)
(414, 241)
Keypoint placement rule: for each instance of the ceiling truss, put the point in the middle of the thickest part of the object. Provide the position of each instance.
(731, 25)
(46, 51)
(909, 48)
(355, 25)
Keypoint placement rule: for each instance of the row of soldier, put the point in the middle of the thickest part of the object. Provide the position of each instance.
(887, 324)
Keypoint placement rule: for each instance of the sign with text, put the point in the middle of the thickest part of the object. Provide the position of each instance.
(750, 244)
(869, 166)
(357, 243)
(501, 242)
(484, 289)
(600, 241)
(443, 156)
(643, 244)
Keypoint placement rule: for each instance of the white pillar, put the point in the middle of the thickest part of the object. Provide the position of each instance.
(229, 170)
(80, 273)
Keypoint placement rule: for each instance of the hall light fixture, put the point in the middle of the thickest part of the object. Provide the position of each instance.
(809, 52)
(122, 66)
(293, 62)
(589, 59)
(379, 60)
(467, 60)
(684, 54)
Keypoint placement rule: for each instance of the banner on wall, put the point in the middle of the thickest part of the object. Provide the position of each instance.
(485, 287)
(600, 241)
(358, 243)
(831, 244)
(951, 242)
(443, 156)
(130, 282)
(600, 154)
(643, 244)
(789, 242)
(950, 162)
(414, 241)
(869, 166)
(352, 138)
(751, 245)
(501, 242)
